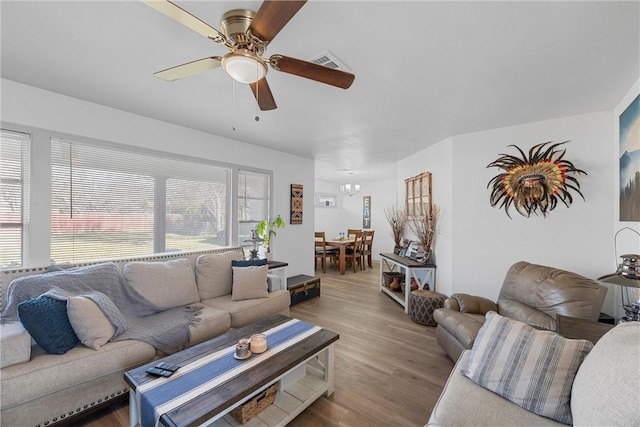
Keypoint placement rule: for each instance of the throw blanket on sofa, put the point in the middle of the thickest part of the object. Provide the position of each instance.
(132, 316)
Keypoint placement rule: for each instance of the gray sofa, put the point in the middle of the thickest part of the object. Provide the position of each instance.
(38, 388)
(605, 391)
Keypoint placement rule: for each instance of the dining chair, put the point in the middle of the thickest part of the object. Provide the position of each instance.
(354, 253)
(367, 247)
(353, 231)
(323, 252)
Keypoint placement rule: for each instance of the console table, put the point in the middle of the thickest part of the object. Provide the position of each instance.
(411, 268)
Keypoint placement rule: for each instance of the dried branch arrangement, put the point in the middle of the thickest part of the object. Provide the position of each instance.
(398, 221)
(424, 227)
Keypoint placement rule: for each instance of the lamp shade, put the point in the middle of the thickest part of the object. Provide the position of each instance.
(627, 274)
(243, 66)
(619, 280)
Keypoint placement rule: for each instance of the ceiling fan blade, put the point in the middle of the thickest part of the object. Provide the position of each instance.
(312, 71)
(189, 69)
(264, 97)
(273, 16)
(177, 13)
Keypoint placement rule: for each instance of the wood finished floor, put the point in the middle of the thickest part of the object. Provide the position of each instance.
(389, 370)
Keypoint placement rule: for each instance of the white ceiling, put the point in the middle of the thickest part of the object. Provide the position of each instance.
(424, 70)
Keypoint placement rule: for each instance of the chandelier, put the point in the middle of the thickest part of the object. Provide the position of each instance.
(350, 189)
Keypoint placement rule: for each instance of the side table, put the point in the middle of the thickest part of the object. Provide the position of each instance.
(279, 269)
(574, 328)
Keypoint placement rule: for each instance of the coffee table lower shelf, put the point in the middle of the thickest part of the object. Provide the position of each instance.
(295, 394)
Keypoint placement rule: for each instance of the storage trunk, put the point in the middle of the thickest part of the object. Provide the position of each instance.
(303, 287)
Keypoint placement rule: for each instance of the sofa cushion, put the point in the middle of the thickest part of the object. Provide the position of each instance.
(249, 282)
(522, 312)
(611, 371)
(247, 311)
(533, 369)
(465, 403)
(553, 291)
(47, 322)
(248, 262)
(47, 373)
(15, 344)
(165, 284)
(89, 322)
(211, 323)
(214, 275)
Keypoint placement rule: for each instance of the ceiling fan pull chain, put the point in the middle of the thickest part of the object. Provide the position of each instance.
(257, 118)
(233, 102)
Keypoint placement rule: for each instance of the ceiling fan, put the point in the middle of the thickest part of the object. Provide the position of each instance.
(246, 34)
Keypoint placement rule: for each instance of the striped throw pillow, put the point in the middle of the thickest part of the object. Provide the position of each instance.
(533, 369)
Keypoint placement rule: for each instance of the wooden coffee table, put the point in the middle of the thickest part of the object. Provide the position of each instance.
(304, 369)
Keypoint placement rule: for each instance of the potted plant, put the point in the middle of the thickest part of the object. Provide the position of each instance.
(266, 230)
(397, 220)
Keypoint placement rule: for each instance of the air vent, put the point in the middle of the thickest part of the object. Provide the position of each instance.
(326, 59)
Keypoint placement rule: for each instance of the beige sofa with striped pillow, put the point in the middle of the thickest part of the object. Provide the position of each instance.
(539, 369)
(44, 389)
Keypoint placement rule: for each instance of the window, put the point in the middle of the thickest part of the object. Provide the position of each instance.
(108, 202)
(14, 193)
(418, 194)
(253, 201)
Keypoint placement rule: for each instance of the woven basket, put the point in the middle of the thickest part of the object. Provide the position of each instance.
(388, 277)
(253, 407)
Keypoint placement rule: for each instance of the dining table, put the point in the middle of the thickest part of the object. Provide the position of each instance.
(342, 243)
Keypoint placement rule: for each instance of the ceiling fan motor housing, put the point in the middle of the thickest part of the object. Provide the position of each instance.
(235, 25)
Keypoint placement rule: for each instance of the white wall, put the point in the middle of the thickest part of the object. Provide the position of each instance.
(438, 160)
(348, 214)
(627, 241)
(478, 243)
(577, 238)
(37, 108)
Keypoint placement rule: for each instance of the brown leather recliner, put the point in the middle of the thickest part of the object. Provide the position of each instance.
(531, 293)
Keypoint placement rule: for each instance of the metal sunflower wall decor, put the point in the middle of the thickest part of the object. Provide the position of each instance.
(536, 182)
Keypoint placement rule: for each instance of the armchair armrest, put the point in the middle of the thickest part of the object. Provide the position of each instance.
(470, 304)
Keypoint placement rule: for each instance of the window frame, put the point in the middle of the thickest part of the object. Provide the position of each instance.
(36, 238)
(24, 139)
(415, 201)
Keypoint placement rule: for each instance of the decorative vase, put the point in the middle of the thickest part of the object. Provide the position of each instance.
(395, 284)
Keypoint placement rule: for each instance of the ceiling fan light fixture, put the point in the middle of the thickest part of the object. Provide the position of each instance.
(244, 67)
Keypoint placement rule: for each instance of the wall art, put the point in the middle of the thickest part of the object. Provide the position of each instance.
(534, 183)
(296, 204)
(326, 200)
(366, 212)
(630, 162)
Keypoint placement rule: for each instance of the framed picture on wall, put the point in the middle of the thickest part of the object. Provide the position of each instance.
(326, 200)
(629, 130)
(412, 250)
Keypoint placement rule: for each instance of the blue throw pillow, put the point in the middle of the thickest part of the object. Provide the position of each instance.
(46, 319)
(248, 262)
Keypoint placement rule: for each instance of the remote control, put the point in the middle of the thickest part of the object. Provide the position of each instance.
(167, 366)
(159, 372)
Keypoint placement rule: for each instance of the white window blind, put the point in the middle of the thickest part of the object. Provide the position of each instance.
(14, 194)
(109, 203)
(253, 201)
